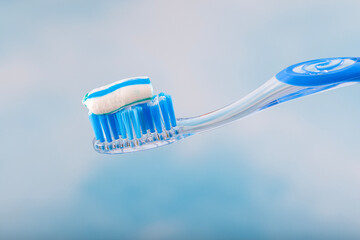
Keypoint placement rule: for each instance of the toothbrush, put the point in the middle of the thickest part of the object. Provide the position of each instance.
(127, 117)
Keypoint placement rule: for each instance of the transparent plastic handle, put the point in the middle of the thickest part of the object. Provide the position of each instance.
(269, 94)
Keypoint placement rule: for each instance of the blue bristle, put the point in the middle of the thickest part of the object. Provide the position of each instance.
(113, 127)
(127, 122)
(164, 111)
(171, 110)
(156, 117)
(142, 119)
(121, 126)
(148, 119)
(135, 122)
(94, 120)
(105, 127)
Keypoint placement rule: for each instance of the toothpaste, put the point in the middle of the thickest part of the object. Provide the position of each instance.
(119, 94)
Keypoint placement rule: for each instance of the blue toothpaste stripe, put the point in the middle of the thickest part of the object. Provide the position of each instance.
(115, 87)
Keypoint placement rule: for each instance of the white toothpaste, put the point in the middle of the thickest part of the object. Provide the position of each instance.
(114, 96)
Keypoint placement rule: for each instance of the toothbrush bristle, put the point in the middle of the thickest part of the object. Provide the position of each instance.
(134, 127)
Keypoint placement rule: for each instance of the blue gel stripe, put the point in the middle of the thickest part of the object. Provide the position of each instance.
(115, 87)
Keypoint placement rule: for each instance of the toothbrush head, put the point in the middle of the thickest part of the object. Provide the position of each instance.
(126, 117)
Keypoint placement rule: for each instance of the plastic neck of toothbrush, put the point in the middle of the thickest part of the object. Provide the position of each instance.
(269, 94)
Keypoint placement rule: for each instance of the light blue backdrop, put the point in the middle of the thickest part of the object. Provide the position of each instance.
(292, 171)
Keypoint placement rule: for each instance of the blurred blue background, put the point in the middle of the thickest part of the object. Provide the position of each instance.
(292, 171)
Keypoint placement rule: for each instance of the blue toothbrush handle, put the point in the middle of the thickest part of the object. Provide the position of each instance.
(296, 81)
(321, 72)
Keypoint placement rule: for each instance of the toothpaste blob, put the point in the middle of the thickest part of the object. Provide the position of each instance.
(114, 96)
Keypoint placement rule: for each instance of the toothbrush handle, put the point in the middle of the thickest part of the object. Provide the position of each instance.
(293, 82)
(318, 76)
(321, 72)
